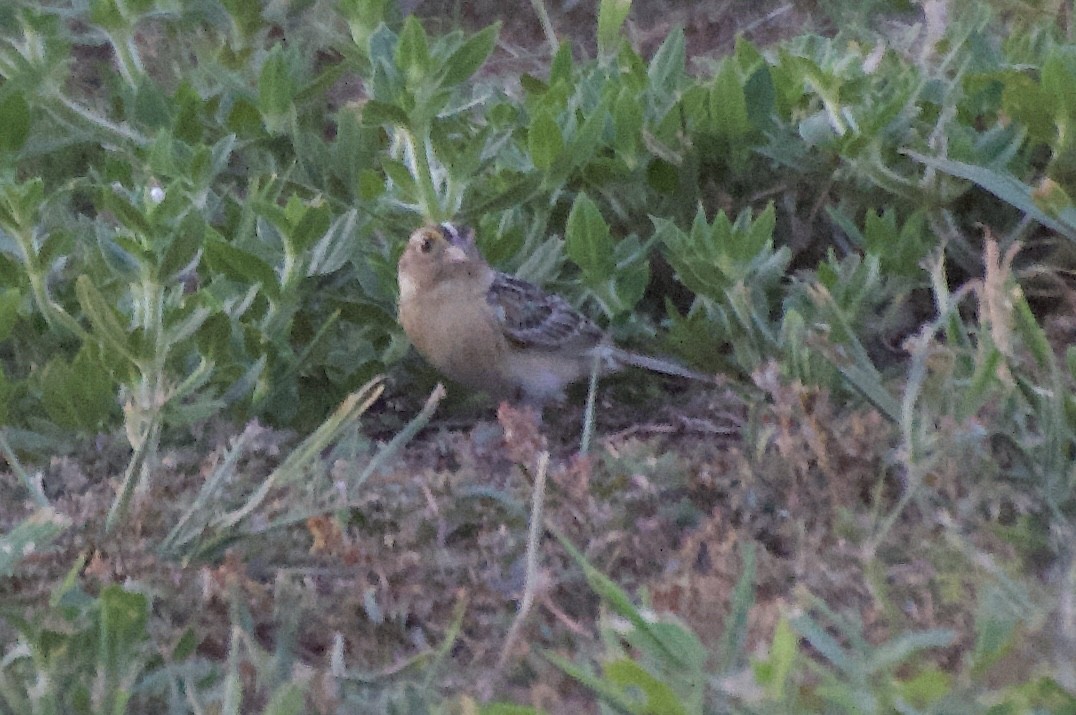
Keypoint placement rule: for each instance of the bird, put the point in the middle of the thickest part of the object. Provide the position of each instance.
(495, 333)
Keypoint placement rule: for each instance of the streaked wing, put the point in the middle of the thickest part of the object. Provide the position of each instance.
(530, 317)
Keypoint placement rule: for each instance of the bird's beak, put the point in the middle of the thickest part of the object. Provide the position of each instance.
(455, 254)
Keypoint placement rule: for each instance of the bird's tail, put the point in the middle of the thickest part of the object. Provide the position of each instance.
(618, 358)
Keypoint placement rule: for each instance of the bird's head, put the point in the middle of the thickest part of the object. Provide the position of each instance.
(430, 254)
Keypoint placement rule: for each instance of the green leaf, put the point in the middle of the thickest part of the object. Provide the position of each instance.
(1003, 185)
(130, 215)
(106, 326)
(901, 648)
(471, 55)
(667, 65)
(184, 246)
(79, 396)
(335, 247)
(996, 628)
(734, 639)
(288, 699)
(660, 699)
(276, 88)
(584, 144)
(185, 646)
(773, 672)
(15, 119)
(588, 242)
(363, 18)
(560, 70)
(605, 690)
(124, 615)
(1058, 79)
(413, 51)
(611, 17)
(926, 687)
(544, 141)
(1027, 326)
(10, 299)
(378, 113)
(241, 265)
(32, 534)
(728, 104)
(152, 107)
(106, 14)
(628, 125)
(315, 221)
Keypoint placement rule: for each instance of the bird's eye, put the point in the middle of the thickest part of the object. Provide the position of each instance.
(427, 244)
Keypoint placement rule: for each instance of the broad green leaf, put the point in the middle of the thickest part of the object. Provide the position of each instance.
(925, 687)
(184, 246)
(276, 88)
(116, 200)
(363, 18)
(15, 120)
(10, 299)
(400, 175)
(728, 105)
(244, 119)
(1027, 101)
(611, 17)
(124, 615)
(667, 65)
(659, 698)
(106, 326)
(107, 15)
(773, 672)
(413, 52)
(544, 141)
(628, 124)
(335, 246)
(760, 98)
(587, 139)
(241, 265)
(471, 55)
(560, 69)
(377, 113)
(152, 108)
(315, 221)
(1058, 78)
(587, 240)
(79, 396)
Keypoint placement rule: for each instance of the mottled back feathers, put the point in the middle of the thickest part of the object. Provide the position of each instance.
(531, 318)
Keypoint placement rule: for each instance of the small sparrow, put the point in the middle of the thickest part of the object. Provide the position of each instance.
(494, 333)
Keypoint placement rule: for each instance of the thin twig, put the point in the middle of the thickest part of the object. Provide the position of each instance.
(588, 413)
(547, 25)
(534, 536)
